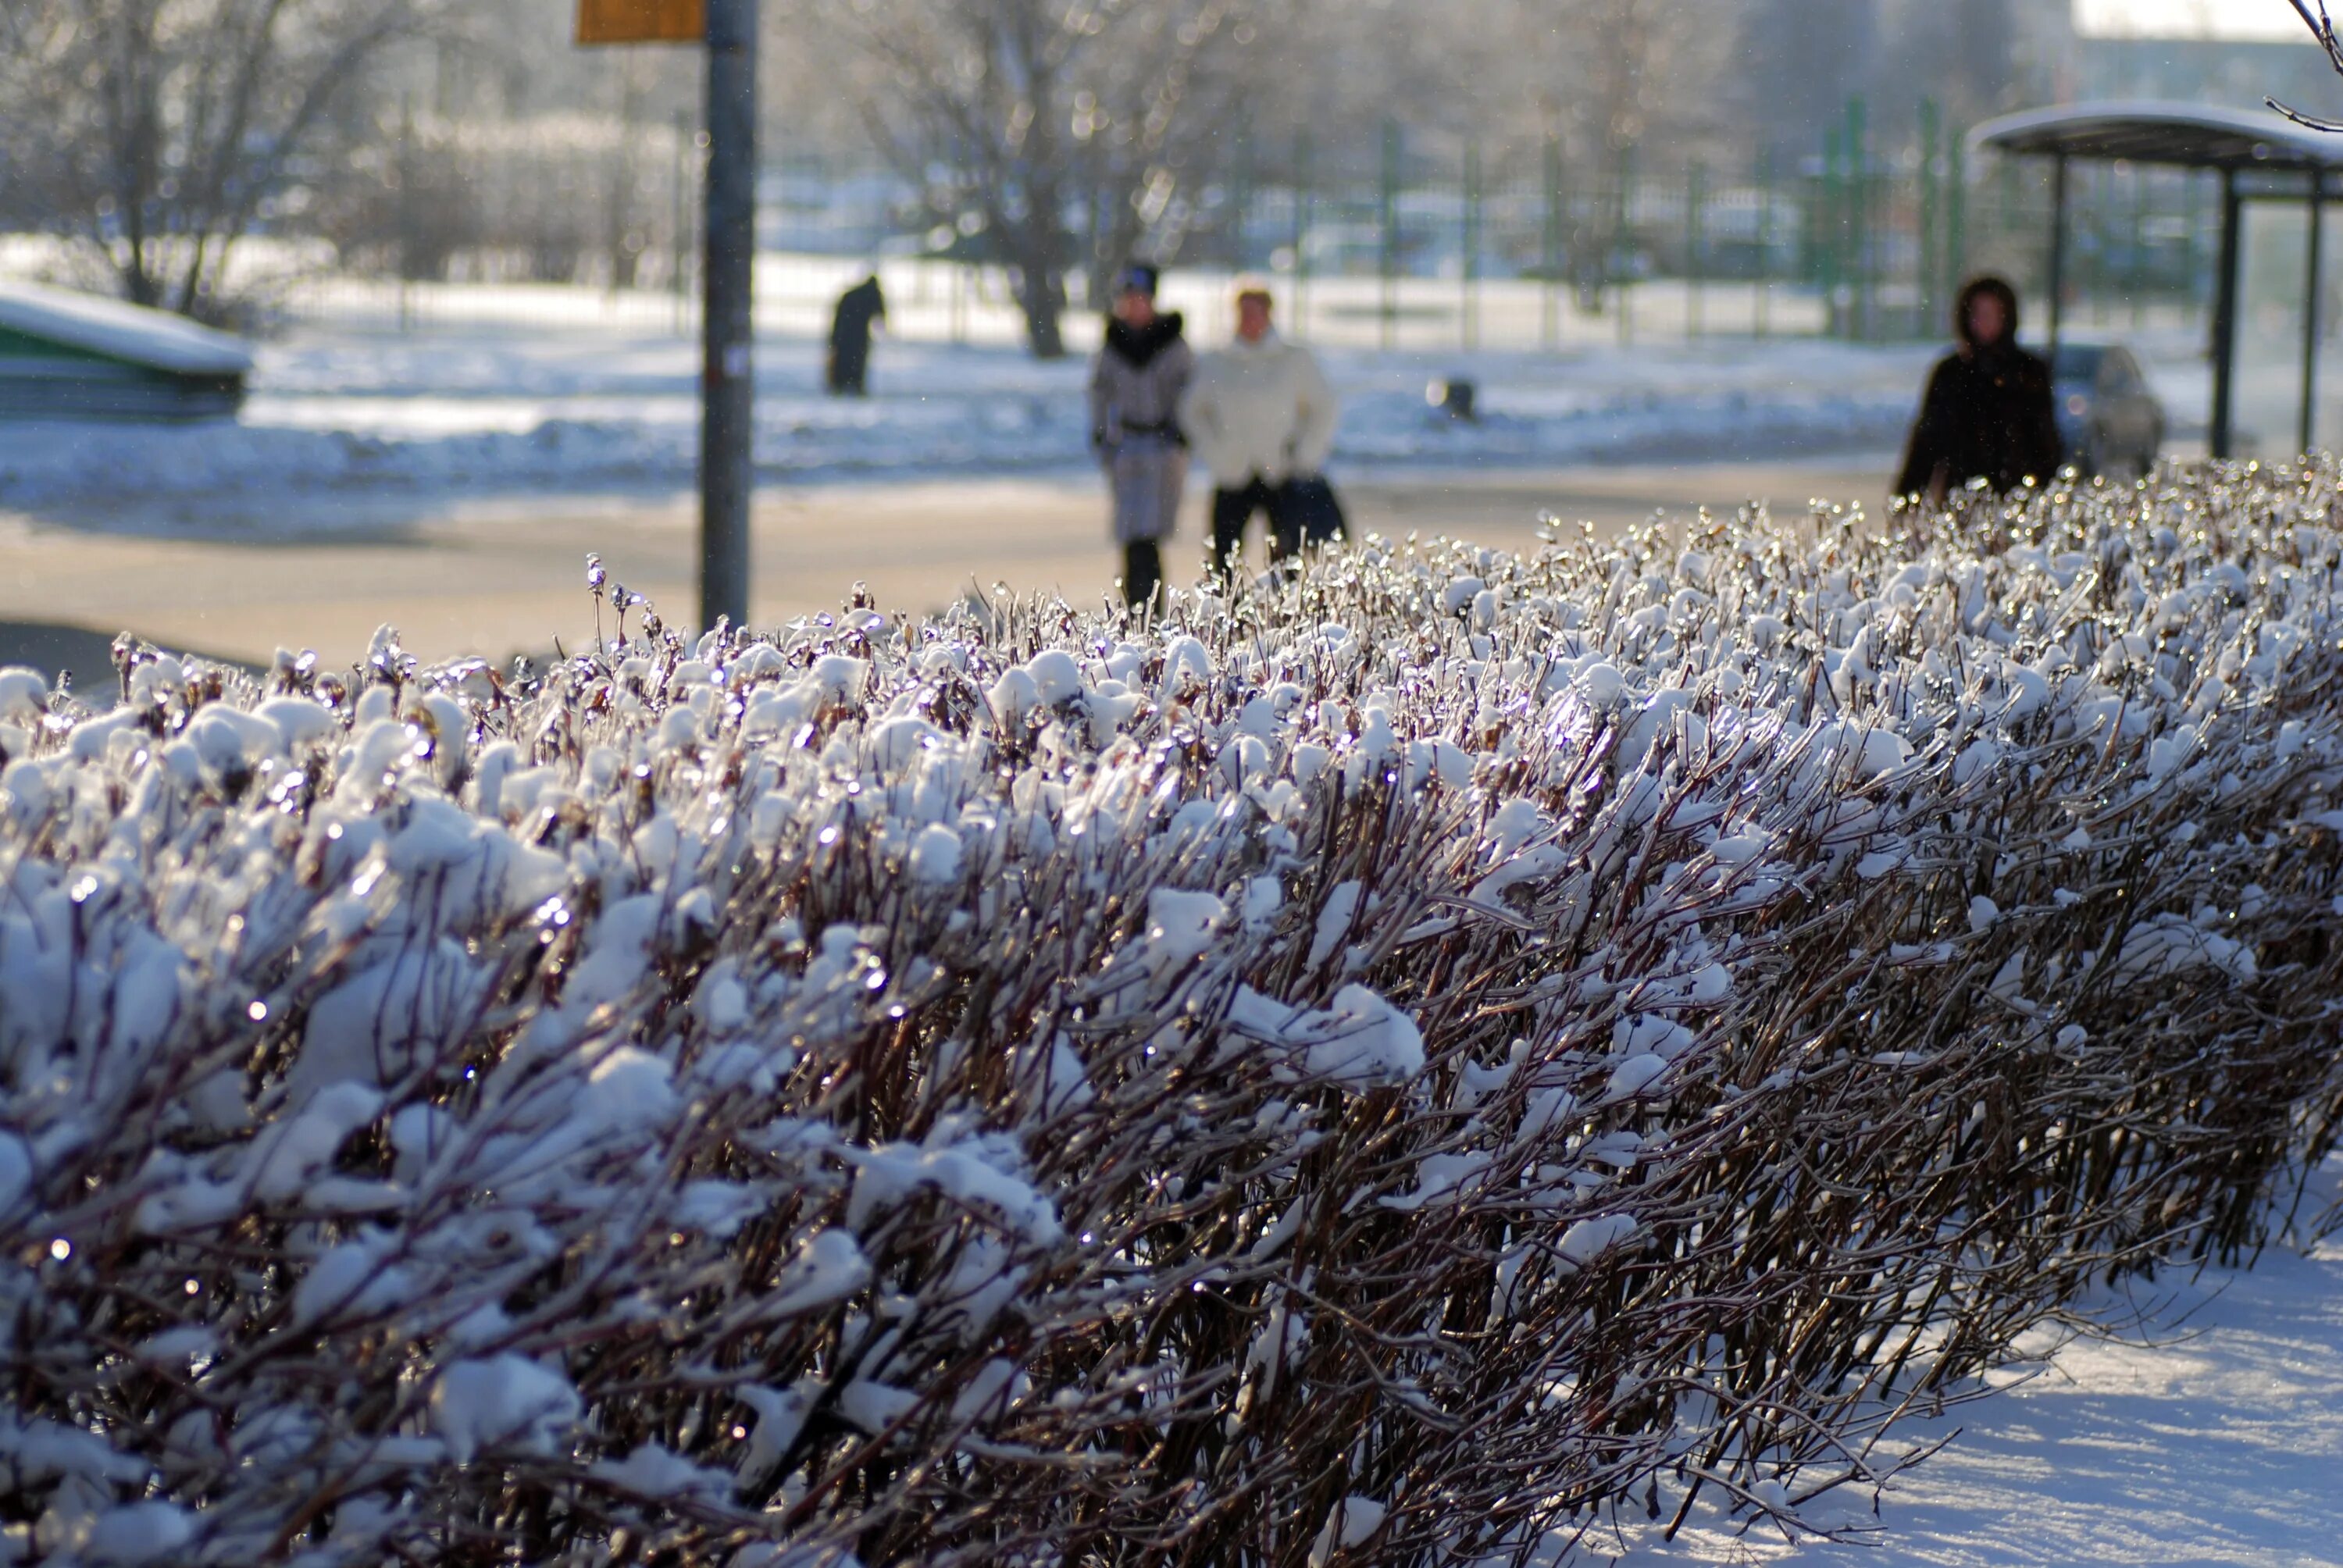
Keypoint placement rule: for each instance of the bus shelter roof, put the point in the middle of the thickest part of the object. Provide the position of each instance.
(2240, 144)
(2178, 135)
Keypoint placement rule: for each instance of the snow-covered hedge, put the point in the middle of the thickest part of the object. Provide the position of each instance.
(1371, 1071)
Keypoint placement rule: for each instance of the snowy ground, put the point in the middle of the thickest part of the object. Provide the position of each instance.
(403, 400)
(2213, 1435)
(457, 409)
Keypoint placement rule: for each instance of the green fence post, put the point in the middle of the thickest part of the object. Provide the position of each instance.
(2137, 269)
(679, 241)
(1931, 198)
(1696, 241)
(1302, 198)
(406, 214)
(1471, 322)
(1957, 210)
(1389, 219)
(1240, 200)
(2199, 266)
(1832, 236)
(1550, 304)
(2091, 243)
(2011, 218)
(1622, 242)
(1859, 183)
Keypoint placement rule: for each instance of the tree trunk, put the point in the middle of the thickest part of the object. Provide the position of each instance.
(1041, 296)
(141, 280)
(1117, 242)
(191, 283)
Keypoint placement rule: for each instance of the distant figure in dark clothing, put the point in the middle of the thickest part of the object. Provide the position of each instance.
(849, 339)
(1987, 415)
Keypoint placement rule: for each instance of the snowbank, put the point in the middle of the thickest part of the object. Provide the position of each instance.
(1380, 1069)
(582, 411)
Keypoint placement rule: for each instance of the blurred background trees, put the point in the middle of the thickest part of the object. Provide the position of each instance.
(160, 132)
(1047, 132)
(1049, 138)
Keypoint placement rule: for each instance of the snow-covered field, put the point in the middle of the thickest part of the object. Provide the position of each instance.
(474, 409)
(1370, 1071)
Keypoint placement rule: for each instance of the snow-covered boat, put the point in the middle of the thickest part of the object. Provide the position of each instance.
(68, 354)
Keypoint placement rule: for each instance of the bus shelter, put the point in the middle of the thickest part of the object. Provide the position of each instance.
(2260, 156)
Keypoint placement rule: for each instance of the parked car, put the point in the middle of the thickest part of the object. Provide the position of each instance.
(2110, 421)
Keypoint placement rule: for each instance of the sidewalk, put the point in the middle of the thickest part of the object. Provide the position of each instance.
(499, 577)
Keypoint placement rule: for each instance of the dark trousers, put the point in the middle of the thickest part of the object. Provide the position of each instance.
(1233, 509)
(1142, 572)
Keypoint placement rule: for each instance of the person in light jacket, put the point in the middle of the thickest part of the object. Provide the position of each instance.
(1136, 383)
(1259, 415)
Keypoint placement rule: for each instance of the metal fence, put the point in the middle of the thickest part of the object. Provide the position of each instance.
(1430, 241)
(1866, 238)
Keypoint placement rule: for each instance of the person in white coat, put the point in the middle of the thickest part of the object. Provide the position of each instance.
(1259, 416)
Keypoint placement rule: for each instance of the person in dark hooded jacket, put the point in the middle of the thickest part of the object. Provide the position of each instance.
(1988, 414)
(1136, 383)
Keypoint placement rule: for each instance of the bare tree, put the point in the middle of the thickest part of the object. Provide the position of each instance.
(161, 132)
(1611, 78)
(2322, 28)
(1012, 116)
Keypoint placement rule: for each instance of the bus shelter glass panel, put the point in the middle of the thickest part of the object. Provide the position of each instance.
(2271, 320)
(2328, 424)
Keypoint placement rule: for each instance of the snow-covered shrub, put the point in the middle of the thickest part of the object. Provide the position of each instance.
(1369, 1071)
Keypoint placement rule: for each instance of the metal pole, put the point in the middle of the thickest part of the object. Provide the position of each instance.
(1761, 307)
(727, 384)
(2225, 314)
(2309, 423)
(2057, 249)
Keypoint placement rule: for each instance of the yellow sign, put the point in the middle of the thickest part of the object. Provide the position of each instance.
(642, 20)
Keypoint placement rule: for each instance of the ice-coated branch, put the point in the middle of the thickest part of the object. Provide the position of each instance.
(1395, 1067)
(2322, 29)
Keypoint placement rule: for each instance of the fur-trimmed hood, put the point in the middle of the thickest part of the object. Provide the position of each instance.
(1136, 345)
